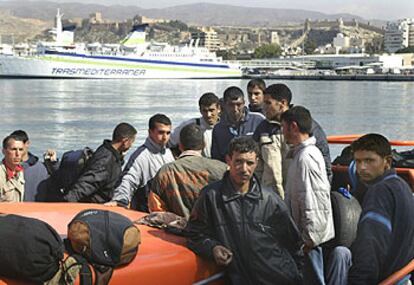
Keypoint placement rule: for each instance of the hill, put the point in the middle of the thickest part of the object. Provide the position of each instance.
(197, 14)
(18, 29)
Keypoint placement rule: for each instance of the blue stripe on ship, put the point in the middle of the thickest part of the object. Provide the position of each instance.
(138, 60)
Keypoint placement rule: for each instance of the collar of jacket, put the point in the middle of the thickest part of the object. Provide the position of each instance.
(229, 193)
(108, 145)
(255, 109)
(32, 160)
(295, 149)
(154, 147)
(190, 153)
(274, 122)
(387, 173)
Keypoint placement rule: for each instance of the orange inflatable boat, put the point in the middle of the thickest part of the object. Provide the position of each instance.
(162, 258)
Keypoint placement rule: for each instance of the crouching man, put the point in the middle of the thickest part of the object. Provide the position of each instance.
(239, 224)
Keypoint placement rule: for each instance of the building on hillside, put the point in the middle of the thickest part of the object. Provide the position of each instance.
(341, 41)
(274, 38)
(397, 35)
(208, 38)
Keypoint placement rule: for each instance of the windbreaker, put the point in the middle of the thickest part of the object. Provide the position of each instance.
(138, 173)
(256, 227)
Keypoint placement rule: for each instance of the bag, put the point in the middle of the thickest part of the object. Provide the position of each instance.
(72, 165)
(30, 249)
(403, 159)
(106, 239)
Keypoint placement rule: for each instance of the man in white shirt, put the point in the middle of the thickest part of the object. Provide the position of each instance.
(210, 115)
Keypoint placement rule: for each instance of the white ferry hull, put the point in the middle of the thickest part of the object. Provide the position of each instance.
(65, 65)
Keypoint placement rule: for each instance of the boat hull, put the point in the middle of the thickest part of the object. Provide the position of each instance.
(162, 258)
(111, 67)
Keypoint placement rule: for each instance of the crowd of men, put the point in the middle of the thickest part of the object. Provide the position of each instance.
(254, 183)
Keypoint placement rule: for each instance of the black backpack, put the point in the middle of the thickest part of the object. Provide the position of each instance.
(30, 249)
(72, 165)
(106, 239)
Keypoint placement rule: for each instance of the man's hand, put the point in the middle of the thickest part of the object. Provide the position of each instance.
(111, 204)
(50, 154)
(222, 255)
(308, 246)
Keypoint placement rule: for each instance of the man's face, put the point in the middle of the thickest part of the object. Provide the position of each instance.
(255, 95)
(235, 109)
(370, 165)
(287, 132)
(242, 166)
(126, 144)
(210, 113)
(273, 108)
(26, 148)
(14, 152)
(160, 134)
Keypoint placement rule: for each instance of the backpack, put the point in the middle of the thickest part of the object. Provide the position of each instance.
(72, 165)
(30, 249)
(106, 239)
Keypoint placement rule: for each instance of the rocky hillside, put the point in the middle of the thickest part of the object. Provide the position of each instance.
(20, 29)
(197, 14)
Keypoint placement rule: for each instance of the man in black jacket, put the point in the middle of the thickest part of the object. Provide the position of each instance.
(239, 224)
(384, 242)
(102, 172)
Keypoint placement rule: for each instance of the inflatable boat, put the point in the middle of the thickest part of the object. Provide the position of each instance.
(162, 258)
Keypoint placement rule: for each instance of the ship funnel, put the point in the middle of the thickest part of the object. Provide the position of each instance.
(136, 36)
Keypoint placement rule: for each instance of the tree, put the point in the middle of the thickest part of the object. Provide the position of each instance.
(310, 46)
(267, 51)
(406, 50)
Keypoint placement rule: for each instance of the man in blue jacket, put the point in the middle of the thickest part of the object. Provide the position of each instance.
(384, 242)
(237, 121)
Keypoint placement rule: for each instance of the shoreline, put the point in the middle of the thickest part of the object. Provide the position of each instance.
(351, 77)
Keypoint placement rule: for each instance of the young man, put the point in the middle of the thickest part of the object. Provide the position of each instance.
(308, 198)
(240, 224)
(143, 165)
(384, 242)
(36, 173)
(268, 134)
(177, 184)
(237, 121)
(97, 182)
(277, 100)
(11, 172)
(255, 89)
(210, 114)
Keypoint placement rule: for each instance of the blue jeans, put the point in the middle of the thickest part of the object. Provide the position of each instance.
(334, 272)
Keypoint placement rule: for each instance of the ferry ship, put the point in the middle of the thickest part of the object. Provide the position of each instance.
(134, 57)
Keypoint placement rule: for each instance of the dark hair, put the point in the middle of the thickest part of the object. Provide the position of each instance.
(257, 82)
(123, 130)
(192, 137)
(279, 92)
(22, 134)
(243, 145)
(11, 137)
(372, 142)
(208, 99)
(301, 116)
(232, 93)
(160, 119)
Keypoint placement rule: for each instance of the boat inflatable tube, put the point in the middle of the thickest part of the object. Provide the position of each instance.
(346, 212)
